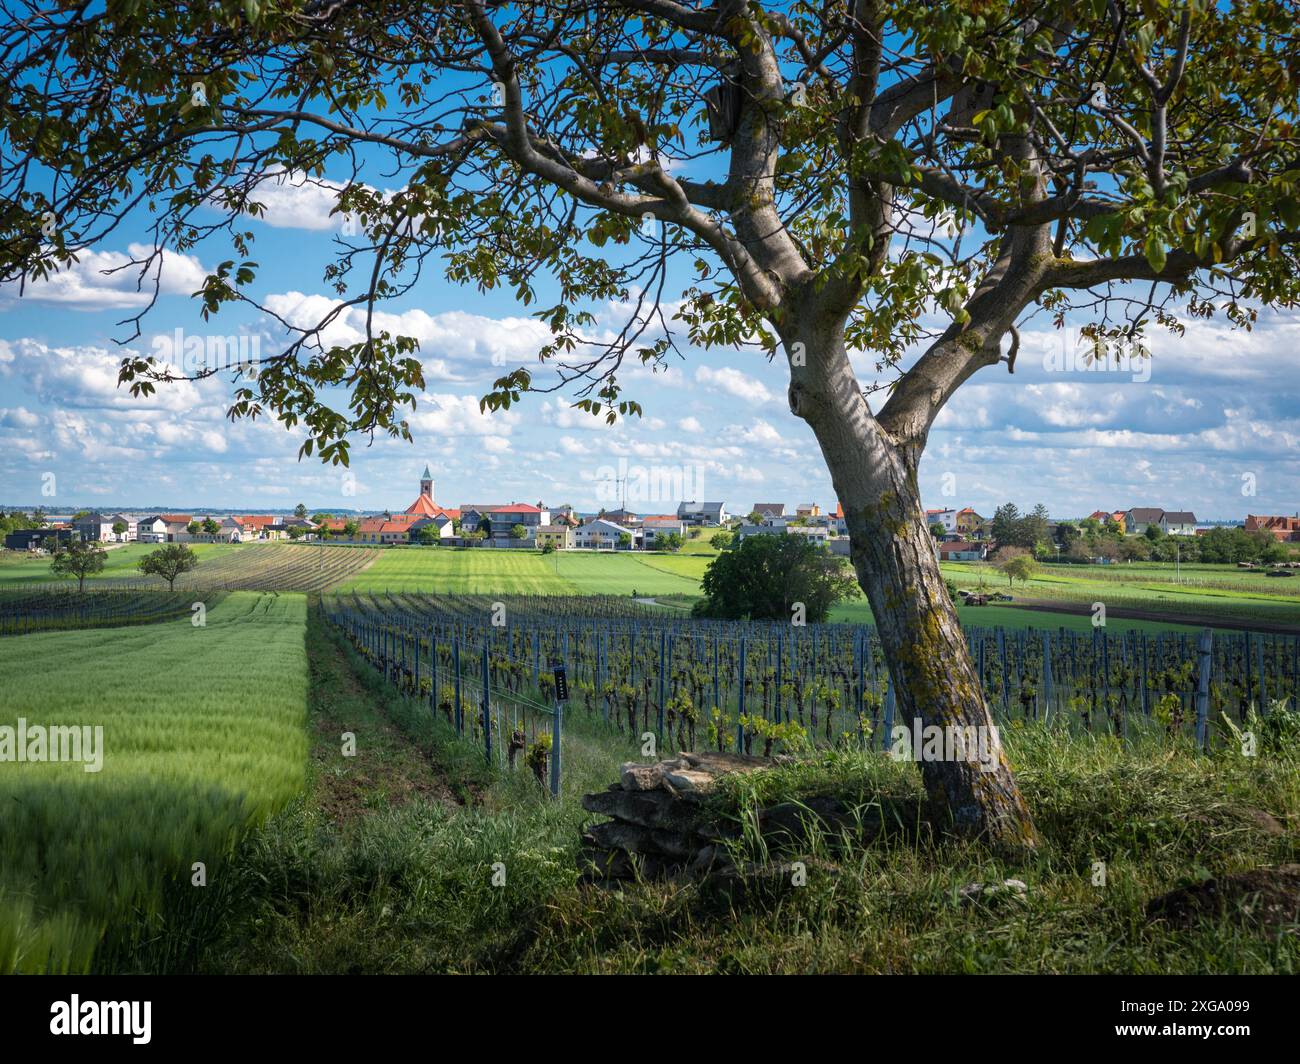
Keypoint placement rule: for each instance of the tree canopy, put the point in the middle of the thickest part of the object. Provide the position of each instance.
(982, 161)
(765, 576)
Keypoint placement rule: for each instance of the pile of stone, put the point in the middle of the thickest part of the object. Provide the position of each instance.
(662, 826)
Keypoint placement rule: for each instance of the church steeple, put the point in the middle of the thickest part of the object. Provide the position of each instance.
(426, 484)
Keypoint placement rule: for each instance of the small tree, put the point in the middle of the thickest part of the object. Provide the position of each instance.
(79, 560)
(625, 540)
(767, 577)
(350, 528)
(210, 526)
(429, 535)
(721, 540)
(194, 528)
(169, 562)
(296, 532)
(1017, 565)
(518, 532)
(548, 547)
(120, 528)
(300, 511)
(938, 531)
(671, 542)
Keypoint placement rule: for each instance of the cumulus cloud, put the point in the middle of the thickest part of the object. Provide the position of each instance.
(108, 280)
(734, 382)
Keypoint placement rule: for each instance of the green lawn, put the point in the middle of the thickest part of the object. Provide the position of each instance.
(202, 736)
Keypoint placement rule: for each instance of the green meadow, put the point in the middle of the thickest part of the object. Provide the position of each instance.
(203, 737)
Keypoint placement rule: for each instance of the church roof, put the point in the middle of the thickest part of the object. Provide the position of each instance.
(424, 506)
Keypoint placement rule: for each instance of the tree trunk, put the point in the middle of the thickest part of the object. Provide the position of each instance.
(897, 566)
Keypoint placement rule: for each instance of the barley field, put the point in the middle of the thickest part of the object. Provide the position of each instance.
(202, 738)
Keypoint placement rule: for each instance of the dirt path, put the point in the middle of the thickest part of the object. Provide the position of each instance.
(387, 769)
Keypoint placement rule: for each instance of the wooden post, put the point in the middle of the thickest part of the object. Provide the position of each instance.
(1203, 690)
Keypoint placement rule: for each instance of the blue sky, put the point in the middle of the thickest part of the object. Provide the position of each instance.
(1214, 415)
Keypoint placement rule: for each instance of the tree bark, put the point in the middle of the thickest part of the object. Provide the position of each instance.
(897, 567)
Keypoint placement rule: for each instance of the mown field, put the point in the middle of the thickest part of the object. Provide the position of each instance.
(203, 736)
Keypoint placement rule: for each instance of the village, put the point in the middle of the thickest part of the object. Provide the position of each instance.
(959, 534)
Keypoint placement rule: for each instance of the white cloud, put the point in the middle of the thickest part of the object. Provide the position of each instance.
(734, 382)
(107, 280)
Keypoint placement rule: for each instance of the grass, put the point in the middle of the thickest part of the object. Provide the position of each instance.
(405, 884)
(18, 568)
(483, 571)
(202, 736)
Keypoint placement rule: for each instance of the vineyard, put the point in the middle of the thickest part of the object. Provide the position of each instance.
(25, 611)
(265, 567)
(765, 688)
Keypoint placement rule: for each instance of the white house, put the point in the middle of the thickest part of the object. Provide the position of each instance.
(947, 518)
(654, 527)
(1178, 522)
(602, 535)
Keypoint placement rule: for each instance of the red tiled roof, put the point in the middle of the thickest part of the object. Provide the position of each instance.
(256, 520)
(516, 508)
(177, 519)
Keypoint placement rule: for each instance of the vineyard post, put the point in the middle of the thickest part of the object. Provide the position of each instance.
(1146, 694)
(740, 728)
(1203, 691)
(433, 671)
(1047, 674)
(1006, 678)
(890, 701)
(780, 677)
(1245, 668)
(718, 700)
(487, 712)
(663, 651)
(455, 658)
(1259, 670)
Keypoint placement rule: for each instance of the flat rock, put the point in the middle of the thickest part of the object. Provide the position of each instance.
(637, 777)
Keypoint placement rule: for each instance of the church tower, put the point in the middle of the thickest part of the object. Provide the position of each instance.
(426, 484)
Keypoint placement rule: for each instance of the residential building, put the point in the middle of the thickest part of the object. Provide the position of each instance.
(947, 518)
(1140, 518)
(560, 535)
(656, 526)
(962, 551)
(95, 527)
(623, 517)
(837, 524)
(504, 518)
(816, 533)
(768, 510)
(443, 524)
(33, 539)
(601, 534)
(967, 521)
(164, 528)
(807, 509)
(1283, 529)
(699, 514)
(1178, 522)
